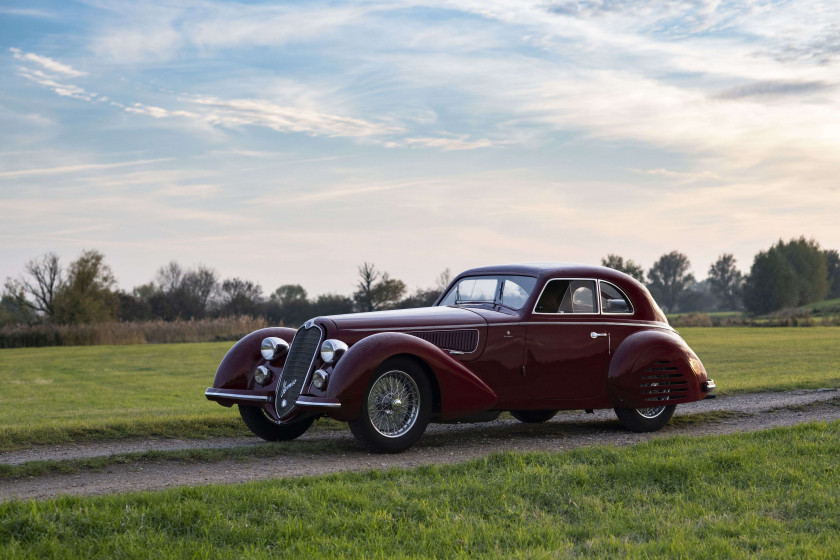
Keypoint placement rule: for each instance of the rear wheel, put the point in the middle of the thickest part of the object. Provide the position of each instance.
(259, 423)
(533, 416)
(395, 408)
(645, 419)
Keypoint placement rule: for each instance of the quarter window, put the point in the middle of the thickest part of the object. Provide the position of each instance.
(613, 300)
(568, 296)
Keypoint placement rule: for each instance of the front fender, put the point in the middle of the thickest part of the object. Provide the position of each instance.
(461, 391)
(654, 368)
(237, 367)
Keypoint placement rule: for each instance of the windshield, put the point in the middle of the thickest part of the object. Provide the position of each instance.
(510, 291)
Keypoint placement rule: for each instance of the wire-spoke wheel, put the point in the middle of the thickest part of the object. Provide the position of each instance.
(395, 409)
(645, 419)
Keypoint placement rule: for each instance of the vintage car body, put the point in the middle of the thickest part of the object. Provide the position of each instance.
(551, 337)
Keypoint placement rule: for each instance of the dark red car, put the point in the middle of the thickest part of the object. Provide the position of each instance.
(530, 339)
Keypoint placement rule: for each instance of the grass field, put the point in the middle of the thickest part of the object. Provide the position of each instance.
(773, 494)
(60, 394)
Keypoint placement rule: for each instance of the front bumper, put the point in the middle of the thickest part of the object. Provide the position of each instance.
(233, 396)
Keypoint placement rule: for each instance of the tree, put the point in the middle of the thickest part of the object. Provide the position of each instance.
(832, 262)
(669, 277)
(809, 263)
(629, 267)
(88, 294)
(331, 304)
(725, 281)
(377, 290)
(37, 289)
(289, 305)
(770, 284)
(240, 297)
(786, 275)
(179, 293)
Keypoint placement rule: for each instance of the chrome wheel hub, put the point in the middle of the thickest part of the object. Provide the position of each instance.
(394, 404)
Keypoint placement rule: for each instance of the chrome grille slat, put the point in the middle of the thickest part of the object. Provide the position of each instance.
(297, 368)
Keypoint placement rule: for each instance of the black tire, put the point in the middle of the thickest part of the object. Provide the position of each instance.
(533, 416)
(256, 420)
(645, 419)
(386, 427)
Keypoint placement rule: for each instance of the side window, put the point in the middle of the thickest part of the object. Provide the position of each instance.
(568, 296)
(514, 295)
(613, 300)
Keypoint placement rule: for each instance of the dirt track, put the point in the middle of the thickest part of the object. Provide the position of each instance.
(441, 444)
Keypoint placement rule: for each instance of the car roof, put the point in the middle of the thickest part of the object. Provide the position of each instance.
(553, 270)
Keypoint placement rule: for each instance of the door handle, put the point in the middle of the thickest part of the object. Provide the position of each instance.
(594, 334)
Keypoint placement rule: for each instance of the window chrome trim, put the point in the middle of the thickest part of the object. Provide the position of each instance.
(222, 394)
(626, 298)
(598, 295)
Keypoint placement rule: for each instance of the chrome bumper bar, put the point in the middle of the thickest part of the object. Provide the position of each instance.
(212, 393)
(309, 402)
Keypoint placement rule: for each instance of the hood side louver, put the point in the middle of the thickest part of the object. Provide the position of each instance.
(464, 340)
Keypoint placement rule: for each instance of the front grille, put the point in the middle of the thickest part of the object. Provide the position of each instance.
(298, 363)
(663, 382)
(461, 341)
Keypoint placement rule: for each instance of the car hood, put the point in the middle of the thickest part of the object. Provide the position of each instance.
(407, 319)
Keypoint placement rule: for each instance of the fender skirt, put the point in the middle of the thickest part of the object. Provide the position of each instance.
(461, 391)
(654, 368)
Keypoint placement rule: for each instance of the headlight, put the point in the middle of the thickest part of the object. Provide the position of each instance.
(331, 350)
(320, 378)
(273, 347)
(262, 375)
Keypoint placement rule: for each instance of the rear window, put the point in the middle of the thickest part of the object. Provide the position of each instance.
(568, 296)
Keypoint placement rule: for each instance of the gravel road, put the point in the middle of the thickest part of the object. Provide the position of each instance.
(441, 444)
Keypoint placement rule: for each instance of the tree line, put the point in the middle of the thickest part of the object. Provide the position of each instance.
(86, 292)
(788, 274)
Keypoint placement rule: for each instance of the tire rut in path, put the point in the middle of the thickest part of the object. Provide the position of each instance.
(442, 444)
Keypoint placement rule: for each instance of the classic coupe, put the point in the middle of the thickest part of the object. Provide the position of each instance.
(530, 339)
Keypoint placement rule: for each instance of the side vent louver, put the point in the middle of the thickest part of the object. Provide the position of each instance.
(663, 381)
(460, 341)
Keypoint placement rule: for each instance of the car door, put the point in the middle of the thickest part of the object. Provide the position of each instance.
(567, 348)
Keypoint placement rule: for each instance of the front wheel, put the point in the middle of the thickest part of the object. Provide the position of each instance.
(645, 419)
(257, 421)
(395, 408)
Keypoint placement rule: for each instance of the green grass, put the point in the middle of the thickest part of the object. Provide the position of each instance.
(91, 393)
(744, 359)
(773, 494)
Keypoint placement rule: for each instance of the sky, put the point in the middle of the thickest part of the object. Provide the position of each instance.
(291, 142)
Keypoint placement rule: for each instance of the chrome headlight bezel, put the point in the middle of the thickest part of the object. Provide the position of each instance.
(273, 347)
(331, 350)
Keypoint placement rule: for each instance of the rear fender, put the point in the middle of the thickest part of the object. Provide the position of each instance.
(461, 391)
(654, 368)
(236, 371)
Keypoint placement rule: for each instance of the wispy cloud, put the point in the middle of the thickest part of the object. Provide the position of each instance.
(774, 88)
(47, 63)
(67, 169)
